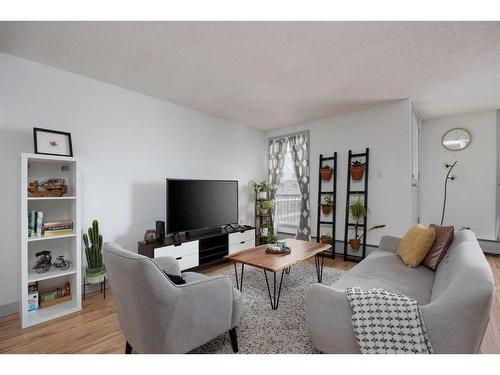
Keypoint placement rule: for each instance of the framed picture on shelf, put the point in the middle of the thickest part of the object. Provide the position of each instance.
(52, 142)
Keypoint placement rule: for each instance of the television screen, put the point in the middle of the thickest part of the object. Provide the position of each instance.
(198, 204)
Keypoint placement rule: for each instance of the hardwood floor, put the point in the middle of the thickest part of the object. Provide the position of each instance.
(96, 329)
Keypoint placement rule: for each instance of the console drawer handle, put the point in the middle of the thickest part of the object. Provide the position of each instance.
(179, 258)
(242, 242)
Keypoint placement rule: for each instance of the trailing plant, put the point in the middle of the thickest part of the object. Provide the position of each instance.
(272, 238)
(93, 249)
(370, 229)
(358, 212)
(262, 187)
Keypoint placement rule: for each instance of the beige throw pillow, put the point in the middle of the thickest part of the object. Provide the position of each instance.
(416, 244)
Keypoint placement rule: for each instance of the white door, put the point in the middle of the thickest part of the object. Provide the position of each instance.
(415, 143)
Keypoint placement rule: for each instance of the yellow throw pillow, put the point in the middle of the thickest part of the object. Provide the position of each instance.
(416, 244)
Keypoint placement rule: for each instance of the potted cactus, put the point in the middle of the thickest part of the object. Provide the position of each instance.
(357, 170)
(326, 172)
(96, 271)
(327, 204)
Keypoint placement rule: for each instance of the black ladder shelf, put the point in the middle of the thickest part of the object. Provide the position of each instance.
(357, 194)
(328, 161)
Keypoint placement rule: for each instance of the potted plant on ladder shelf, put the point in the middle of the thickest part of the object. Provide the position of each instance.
(326, 172)
(96, 271)
(359, 212)
(357, 170)
(327, 204)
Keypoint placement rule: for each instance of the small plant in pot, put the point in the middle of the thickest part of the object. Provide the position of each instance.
(326, 239)
(265, 207)
(96, 271)
(272, 238)
(327, 205)
(326, 172)
(264, 229)
(262, 189)
(357, 170)
(359, 211)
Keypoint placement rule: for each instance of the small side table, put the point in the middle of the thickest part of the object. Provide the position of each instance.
(102, 284)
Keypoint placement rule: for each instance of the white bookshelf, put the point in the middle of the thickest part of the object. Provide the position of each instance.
(67, 207)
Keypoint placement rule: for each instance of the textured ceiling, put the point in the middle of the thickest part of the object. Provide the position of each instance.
(274, 74)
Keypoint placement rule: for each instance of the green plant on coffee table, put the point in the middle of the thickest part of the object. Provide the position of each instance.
(272, 238)
(96, 270)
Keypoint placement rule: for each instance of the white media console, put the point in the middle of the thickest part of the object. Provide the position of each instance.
(192, 252)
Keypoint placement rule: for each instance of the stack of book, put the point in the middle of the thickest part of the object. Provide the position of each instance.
(57, 228)
(37, 228)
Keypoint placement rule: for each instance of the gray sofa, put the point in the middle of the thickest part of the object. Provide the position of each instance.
(157, 316)
(455, 300)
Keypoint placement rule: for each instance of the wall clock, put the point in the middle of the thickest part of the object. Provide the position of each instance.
(456, 139)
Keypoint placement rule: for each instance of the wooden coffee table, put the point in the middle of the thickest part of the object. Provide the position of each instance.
(258, 258)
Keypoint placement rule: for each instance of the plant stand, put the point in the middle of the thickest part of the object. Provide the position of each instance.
(321, 194)
(260, 219)
(362, 194)
(102, 285)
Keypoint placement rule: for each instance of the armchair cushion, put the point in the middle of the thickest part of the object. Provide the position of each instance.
(168, 265)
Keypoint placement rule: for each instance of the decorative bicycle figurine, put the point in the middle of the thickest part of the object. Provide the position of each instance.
(62, 263)
(43, 262)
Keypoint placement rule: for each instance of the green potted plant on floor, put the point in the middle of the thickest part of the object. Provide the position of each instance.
(327, 204)
(358, 212)
(261, 189)
(96, 271)
(357, 170)
(326, 172)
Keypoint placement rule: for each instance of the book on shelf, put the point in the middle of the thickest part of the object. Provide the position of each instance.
(37, 228)
(53, 233)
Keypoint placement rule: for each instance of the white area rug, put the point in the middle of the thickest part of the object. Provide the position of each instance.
(263, 330)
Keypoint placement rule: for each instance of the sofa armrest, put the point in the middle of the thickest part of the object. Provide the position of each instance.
(329, 320)
(168, 264)
(389, 243)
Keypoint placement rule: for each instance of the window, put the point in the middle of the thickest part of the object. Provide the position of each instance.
(288, 198)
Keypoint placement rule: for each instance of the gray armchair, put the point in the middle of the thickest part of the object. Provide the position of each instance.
(157, 316)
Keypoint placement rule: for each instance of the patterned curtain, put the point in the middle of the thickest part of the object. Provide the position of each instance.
(277, 152)
(300, 157)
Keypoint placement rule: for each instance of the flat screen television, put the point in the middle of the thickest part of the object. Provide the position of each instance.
(200, 204)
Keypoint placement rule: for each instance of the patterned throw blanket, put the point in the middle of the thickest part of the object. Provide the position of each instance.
(387, 323)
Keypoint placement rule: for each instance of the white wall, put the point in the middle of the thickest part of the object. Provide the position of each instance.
(128, 144)
(385, 130)
(472, 196)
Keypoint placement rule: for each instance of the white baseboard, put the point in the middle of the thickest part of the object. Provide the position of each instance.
(490, 246)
